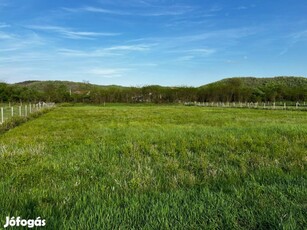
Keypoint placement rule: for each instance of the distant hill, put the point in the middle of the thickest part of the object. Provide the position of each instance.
(256, 89)
(226, 90)
(264, 82)
(74, 86)
(252, 82)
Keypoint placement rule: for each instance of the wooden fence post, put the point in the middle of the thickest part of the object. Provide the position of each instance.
(20, 110)
(12, 111)
(2, 116)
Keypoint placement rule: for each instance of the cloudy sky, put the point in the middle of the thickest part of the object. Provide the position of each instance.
(142, 42)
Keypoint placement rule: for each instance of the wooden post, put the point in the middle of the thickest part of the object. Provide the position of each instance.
(274, 105)
(12, 111)
(2, 115)
(285, 107)
(26, 110)
(20, 110)
(30, 108)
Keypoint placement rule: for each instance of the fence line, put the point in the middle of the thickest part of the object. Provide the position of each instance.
(10, 111)
(252, 105)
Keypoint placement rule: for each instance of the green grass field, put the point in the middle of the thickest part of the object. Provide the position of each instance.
(157, 167)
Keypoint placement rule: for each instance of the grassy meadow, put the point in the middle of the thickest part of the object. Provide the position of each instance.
(157, 167)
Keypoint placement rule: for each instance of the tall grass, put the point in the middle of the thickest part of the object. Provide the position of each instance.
(157, 167)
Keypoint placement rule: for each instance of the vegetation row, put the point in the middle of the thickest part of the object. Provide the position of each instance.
(228, 90)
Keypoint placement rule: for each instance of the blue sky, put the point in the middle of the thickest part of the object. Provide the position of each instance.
(143, 42)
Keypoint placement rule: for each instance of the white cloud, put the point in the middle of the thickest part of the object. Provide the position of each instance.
(241, 8)
(69, 33)
(86, 53)
(193, 53)
(25, 57)
(4, 25)
(102, 10)
(12, 42)
(107, 51)
(216, 8)
(293, 39)
(234, 33)
(298, 36)
(185, 58)
(244, 7)
(139, 47)
(219, 38)
(141, 64)
(6, 36)
(106, 72)
(153, 12)
(202, 51)
(92, 9)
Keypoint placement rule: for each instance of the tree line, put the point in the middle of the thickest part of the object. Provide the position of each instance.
(228, 90)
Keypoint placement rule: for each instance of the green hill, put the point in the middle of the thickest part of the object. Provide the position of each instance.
(74, 86)
(251, 82)
(267, 82)
(226, 90)
(257, 89)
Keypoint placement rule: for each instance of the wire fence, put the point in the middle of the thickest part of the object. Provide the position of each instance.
(253, 105)
(8, 111)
